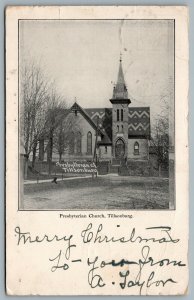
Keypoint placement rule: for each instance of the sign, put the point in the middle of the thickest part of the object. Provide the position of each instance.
(78, 167)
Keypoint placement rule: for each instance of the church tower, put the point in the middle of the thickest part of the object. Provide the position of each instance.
(120, 102)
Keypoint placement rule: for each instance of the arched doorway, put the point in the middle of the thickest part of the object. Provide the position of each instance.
(119, 148)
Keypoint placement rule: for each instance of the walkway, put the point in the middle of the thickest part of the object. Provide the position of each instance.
(51, 179)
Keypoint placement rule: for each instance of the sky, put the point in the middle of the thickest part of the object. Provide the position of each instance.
(83, 58)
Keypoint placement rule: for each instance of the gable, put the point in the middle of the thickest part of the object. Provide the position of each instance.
(78, 123)
(76, 108)
(138, 120)
(104, 117)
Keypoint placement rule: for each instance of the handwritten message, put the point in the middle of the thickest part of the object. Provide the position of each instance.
(143, 273)
(81, 167)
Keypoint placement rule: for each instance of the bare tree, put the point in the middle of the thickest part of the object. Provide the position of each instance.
(55, 115)
(34, 97)
(68, 134)
(39, 109)
(160, 135)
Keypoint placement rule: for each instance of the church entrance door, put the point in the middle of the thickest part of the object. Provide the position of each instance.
(119, 148)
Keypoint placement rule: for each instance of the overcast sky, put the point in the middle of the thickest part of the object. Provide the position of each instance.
(83, 58)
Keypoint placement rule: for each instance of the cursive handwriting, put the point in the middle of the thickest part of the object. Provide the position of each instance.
(147, 283)
(145, 260)
(141, 273)
(94, 280)
(90, 235)
(64, 266)
(26, 237)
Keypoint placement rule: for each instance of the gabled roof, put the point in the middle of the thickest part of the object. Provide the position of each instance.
(138, 121)
(76, 107)
(100, 114)
(104, 117)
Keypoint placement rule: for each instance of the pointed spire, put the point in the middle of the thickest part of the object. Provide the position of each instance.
(120, 90)
(120, 78)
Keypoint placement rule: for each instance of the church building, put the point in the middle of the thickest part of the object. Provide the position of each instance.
(109, 134)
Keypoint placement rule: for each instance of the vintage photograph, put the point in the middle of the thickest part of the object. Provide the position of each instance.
(96, 114)
(97, 150)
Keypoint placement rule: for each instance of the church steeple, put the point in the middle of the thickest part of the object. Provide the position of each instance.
(120, 92)
(120, 89)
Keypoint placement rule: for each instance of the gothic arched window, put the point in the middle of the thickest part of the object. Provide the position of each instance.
(117, 114)
(136, 148)
(79, 143)
(72, 143)
(121, 114)
(89, 143)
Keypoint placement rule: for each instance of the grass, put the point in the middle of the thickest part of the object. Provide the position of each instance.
(103, 193)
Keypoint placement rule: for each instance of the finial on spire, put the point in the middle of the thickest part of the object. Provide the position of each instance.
(120, 57)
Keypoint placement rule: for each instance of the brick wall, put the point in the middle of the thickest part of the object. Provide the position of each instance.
(143, 148)
(122, 134)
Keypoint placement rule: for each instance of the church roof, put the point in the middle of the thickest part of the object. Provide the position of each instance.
(104, 117)
(77, 108)
(138, 120)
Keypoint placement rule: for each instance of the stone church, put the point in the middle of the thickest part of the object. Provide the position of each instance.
(109, 134)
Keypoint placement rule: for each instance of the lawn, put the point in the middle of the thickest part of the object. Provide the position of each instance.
(102, 193)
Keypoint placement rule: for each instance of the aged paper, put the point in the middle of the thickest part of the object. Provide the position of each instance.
(96, 150)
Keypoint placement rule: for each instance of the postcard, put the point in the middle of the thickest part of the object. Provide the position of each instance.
(96, 150)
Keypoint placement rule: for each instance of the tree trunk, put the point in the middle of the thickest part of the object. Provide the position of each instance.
(50, 152)
(159, 170)
(21, 189)
(60, 156)
(26, 166)
(34, 154)
(41, 149)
